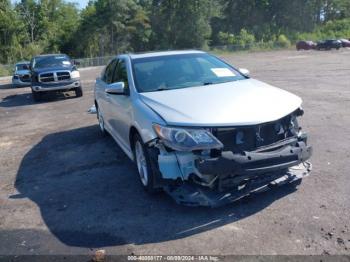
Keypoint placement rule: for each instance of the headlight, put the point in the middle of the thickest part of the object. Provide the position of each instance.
(293, 125)
(75, 74)
(186, 139)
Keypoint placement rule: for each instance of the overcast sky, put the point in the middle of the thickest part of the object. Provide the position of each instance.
(81, 3)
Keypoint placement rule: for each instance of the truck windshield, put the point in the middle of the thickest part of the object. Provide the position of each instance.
(51, 61)
(181, 71)
(22, 67)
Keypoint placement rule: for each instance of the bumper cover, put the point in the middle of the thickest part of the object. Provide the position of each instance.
(41, 87)
(18, 82)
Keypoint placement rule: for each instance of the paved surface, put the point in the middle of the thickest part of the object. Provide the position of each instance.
(65, 189)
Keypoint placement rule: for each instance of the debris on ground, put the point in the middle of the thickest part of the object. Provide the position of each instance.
(92, 110)
(99, 256)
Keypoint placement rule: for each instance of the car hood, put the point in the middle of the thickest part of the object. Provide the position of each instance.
(22, 72)
(245, 102)
(53, 69)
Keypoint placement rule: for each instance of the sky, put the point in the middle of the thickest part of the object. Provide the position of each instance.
(81, 3)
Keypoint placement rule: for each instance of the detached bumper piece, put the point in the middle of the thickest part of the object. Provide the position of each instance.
(193, 195)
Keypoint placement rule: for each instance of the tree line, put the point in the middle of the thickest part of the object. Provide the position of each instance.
(106, 27)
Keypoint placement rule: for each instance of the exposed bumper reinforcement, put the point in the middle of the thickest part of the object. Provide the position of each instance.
(257, 162)
(194, 195)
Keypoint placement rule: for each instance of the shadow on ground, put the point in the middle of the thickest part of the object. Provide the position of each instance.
(26, 99)
(89, 195)
(6, 86)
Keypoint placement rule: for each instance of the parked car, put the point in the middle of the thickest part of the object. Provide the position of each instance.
(21, 76)
(345, 42)
(305, 45)
(200, 129)
(52, 73)
(329, 44)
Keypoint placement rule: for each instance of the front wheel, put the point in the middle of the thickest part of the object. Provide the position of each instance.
(79, 91)
(143, 164)
(36, 96)
(101, 122)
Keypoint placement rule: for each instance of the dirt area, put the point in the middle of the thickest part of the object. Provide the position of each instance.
(65, 189)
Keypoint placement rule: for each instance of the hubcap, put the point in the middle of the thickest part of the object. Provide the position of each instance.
(141, 163)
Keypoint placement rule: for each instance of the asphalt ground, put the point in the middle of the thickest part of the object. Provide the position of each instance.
(65, 189)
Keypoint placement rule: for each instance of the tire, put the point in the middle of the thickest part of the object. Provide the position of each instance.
(79, 91)
(143, 165)
(101, 122)
(36, 96)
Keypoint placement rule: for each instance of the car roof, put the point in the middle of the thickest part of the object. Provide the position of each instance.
(45, 55)
(164, 53)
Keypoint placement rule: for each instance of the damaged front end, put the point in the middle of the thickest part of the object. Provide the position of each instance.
(216, 166)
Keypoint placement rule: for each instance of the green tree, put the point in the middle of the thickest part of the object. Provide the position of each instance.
(181, 23)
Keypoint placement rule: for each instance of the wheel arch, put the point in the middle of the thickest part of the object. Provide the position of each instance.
(132, 132)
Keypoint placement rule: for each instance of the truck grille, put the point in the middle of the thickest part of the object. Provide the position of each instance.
(54, 76)
(25, 78)
(250, 138)
(61, 76)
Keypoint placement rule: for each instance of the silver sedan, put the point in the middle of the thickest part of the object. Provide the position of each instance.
(200, 129)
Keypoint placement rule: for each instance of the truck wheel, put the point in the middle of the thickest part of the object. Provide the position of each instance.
(143, 164)
(79, 91)
(36, 96)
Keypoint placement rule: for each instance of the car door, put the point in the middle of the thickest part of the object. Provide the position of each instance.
(101, 96)
(120, 108)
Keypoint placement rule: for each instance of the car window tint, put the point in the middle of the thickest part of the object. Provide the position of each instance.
(108, 75)
(120, 74)
(181, 71)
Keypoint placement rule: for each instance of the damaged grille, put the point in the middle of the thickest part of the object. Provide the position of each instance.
(249, 138)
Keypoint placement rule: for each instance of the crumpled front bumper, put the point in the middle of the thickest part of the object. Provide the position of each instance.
(245, 173)
(194, 195)
(257, 162)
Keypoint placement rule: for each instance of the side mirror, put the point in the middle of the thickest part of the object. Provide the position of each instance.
(244, 72)
(116, 88)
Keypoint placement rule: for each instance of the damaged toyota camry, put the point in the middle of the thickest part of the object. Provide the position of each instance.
(200, 129)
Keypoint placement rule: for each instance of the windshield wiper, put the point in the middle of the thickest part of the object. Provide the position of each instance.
(208, 83)
(160, 89)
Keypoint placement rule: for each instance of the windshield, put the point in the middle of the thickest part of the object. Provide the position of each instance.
(181, 71)
(22, 67)
(51, 61)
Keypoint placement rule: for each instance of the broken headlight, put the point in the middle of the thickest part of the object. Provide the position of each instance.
(187, 139)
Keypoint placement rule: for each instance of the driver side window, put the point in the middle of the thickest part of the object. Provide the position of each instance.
(120, 74)
(108, 74)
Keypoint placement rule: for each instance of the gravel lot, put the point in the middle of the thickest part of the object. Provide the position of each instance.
(65, 189)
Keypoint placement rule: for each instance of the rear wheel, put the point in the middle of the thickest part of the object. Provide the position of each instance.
(79, 91)
(143, 164)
